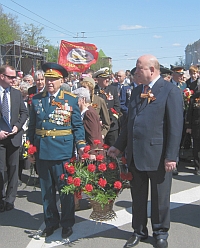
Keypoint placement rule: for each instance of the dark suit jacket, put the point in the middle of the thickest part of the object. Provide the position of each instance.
(112, 101)
(193, 85)
(153, 131)
(19, 114)
(193, 115)
(32, 90)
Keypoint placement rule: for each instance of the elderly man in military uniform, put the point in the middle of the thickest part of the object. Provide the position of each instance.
(55, 129)
(110, 95)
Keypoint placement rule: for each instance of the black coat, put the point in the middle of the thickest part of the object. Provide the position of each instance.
(193, 115)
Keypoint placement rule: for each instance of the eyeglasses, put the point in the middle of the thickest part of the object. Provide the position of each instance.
(10, 77)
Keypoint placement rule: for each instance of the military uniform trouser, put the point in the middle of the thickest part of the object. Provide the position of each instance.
(49, 173)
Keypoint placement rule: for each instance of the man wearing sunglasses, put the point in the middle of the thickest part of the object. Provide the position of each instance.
(14, 113)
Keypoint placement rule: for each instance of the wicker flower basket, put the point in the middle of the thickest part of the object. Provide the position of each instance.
(102, 214)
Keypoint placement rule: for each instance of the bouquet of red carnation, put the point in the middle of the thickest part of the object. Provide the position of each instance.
(30, 99)
(100, 179)
(30, 150)
(187, 93)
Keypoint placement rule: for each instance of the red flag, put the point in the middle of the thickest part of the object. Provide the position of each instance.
(77, 56)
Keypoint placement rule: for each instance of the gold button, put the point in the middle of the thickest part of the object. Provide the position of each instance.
(53, 137)
(54, 129)
(42, 136)
(42, 128)
(43, 120)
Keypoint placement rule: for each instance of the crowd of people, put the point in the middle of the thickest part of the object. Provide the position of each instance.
(139, 113)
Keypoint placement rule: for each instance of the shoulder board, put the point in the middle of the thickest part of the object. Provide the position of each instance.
(69, 93)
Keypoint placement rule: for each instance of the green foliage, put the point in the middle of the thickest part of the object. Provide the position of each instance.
(10, 29)
(52, 55)
(32, 35)
(102, 61)
(97, 191)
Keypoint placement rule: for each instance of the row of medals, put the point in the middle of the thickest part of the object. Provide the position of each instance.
(60, 117)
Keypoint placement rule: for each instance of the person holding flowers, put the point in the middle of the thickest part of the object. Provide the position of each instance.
(100, 179)
(55, 128)
(152, 135)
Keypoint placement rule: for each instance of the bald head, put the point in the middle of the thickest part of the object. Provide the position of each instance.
(147, 68)
(121, 75)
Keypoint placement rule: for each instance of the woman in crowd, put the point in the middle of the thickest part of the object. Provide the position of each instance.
(193, 120)
(89, 117)
(98, 104)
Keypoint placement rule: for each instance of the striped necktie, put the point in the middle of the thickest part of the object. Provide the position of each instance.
(5, 106)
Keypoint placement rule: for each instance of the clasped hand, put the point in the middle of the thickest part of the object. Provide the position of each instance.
(4, 134)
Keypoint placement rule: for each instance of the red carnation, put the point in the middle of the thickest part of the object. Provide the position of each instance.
(62, 177)
(123, 159)
(102, 182)
(99, 157)
(70, 169)
(85, 156)
(70, 180)
(102, 167)
(113, 111)
(88, 187)
(86, 149)
(186, 93)
(117, 185)
(112, 165)
(77, 181)
(30, 99)
(91, 167)
(32, 149)
(105, 146)
(66, 165)
(73, 159)
(97, 142)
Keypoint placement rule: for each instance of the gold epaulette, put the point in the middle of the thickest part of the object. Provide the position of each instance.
(69, 93)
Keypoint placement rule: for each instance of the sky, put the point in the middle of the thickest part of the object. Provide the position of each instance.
(123, 29)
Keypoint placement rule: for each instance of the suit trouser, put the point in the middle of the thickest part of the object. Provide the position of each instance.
(160, 201)
(9, 157)
(49, 173)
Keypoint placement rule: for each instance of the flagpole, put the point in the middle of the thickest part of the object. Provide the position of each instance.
(58, 51)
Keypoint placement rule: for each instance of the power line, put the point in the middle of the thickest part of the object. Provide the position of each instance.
(41, 17)
(34, 20)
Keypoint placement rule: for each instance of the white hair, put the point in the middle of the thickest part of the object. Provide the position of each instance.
(82, 93)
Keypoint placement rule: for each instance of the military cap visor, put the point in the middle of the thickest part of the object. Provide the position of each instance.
(177, 69)
(102, 73)
(54, 70)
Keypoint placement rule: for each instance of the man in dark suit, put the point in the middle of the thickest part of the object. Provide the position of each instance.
(13, 109)
(110, 95)
(39, 85)
(152, 136)
(55, 128)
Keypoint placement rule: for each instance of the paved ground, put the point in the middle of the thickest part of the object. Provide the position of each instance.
(27, 217)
